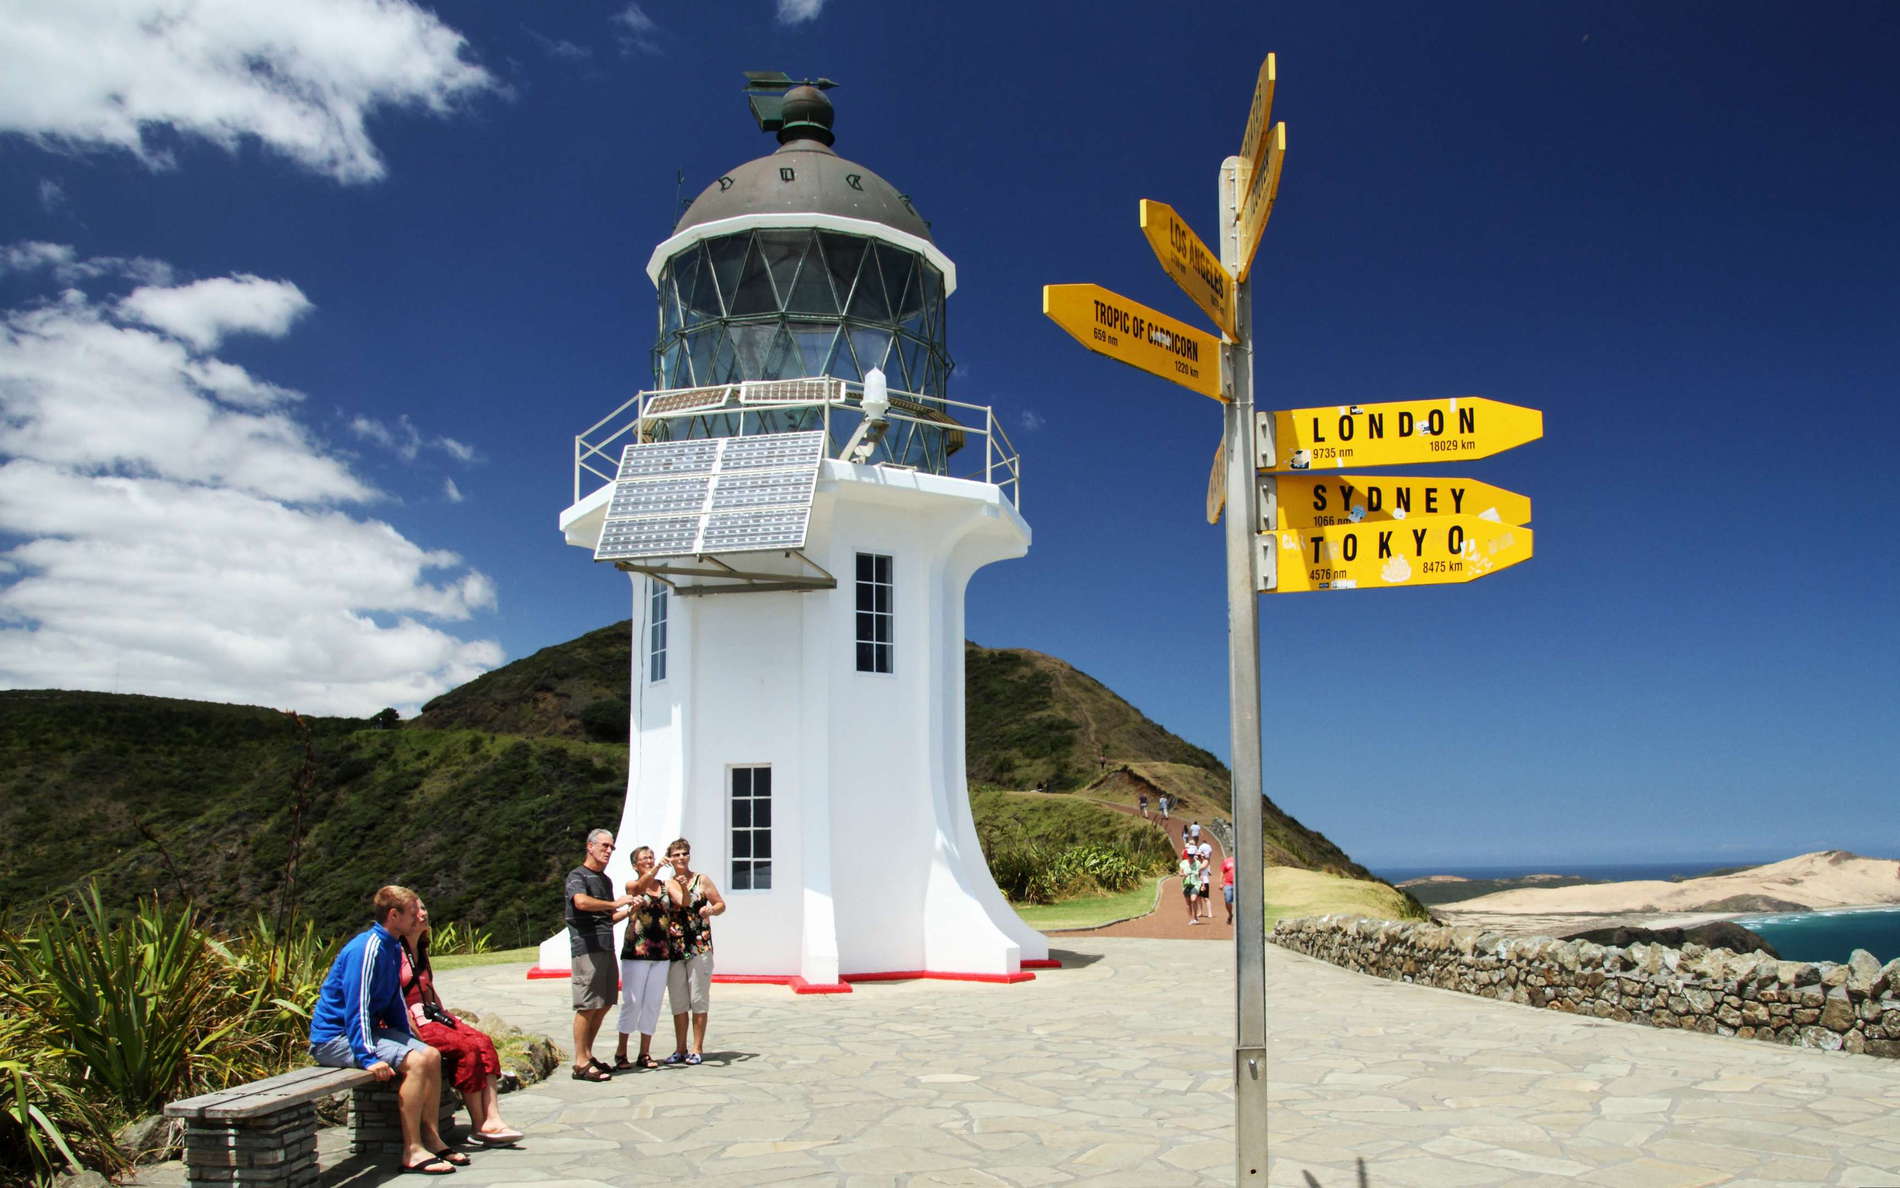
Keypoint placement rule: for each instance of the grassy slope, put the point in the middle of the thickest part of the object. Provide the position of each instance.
(149, 794)
(478, 802)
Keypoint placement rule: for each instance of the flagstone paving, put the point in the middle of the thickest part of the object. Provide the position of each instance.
(1114, 1070)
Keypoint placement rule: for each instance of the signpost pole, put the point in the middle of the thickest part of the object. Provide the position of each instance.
(1243, 693)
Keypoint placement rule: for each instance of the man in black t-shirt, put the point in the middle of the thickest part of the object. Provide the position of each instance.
(592, 911)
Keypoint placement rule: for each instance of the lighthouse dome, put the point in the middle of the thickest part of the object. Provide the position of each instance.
(801, 264)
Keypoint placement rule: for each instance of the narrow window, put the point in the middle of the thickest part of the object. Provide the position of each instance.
(656, 631)
(751, 829)
(874, 613)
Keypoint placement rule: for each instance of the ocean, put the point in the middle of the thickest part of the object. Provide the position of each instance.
(1797, 936)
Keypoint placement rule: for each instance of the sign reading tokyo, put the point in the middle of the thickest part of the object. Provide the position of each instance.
(1309, 501)
(1427, 551)
(1191, 263)
(1110, 324)
(1397, 433)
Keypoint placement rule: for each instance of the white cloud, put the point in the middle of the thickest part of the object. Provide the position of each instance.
(301, 76)
(405, 441)
(203, 312)
(52, 195)
(560, 48)
(451, 492)
(182, 534)
(63, 263)
(637, 29)
(793, 12)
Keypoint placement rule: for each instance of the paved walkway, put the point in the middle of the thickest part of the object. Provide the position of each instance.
(1114, 1070)
(1169, 919)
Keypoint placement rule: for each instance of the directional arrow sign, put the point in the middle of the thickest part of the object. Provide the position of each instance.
(1397, 433)
(1259, 188)
(1110, 324)
(1312, 501)
(1426, 551)
(1192, 264)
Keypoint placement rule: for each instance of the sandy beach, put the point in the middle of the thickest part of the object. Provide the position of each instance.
(1825, 879)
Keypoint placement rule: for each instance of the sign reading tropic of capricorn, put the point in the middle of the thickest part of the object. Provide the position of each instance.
(1110, 324)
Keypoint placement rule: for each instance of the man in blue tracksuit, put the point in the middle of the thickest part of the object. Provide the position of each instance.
(361, 1021)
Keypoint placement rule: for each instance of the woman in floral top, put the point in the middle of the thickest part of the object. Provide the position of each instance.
(651, 941)
(689, 984)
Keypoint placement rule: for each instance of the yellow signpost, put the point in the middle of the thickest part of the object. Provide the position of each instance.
(1191, 263)
(1427, 551)
(1312, 501)
(1261, 189)
(1110, 324)
(1396, 433)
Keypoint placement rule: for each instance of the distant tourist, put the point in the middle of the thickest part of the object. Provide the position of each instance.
(1205, 853)
(360, 1021)
(1194, 832)
(1190, 881)
(1227, 885)
(1163, 804)
(468, 1055)
(650, 949)
(1144, 806)
(689, 981)
(592, 912)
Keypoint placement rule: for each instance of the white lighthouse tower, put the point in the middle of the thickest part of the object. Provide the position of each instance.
(800, 507)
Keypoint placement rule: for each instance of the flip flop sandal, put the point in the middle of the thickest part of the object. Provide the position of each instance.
(590, 1073)
(676, 1058)
(600, 1066)
(506, 1138)
(624, 1065)
(646, 1061)
(453, 1157)
(695, 1058)
(432, 1166)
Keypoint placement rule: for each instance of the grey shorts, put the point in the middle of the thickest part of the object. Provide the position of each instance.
(689, 984)
(391, 1047)
(596, 981)
(1227, 893)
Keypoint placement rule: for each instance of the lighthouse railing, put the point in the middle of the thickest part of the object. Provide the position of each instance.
(923, 432)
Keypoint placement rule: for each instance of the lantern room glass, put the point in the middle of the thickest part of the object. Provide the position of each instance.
(786, 303)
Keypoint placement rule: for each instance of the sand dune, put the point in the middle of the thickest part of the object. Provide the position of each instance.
(1825, 879)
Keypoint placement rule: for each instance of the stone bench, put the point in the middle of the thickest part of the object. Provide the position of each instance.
(265, 1132)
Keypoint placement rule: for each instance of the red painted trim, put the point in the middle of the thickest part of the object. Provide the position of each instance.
(907, 975)
(1045, 963)
(537, 971)
(801, 986)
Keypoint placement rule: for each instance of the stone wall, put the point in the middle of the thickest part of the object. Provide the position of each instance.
(1853, 1007)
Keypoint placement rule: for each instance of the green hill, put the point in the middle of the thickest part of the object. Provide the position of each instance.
(480, 801)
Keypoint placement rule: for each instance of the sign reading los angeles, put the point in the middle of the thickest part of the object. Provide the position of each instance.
(1110, 324)
(1190, 263)
(1310, 501)
(1396, 433)
(1427, 551)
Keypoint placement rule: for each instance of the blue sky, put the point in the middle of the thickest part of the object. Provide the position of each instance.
(304, 304)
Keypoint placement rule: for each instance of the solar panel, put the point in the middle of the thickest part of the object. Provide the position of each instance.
(793, 391)
(712, 495)
(687, 399)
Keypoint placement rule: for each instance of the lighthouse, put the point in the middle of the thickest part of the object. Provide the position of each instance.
(800, 506)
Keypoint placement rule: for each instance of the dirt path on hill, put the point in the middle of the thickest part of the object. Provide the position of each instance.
(1169, 920)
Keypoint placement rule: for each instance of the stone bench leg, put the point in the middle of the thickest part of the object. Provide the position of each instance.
(279, 1150)
(376, 1119)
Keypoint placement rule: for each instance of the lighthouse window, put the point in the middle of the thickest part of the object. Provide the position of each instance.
(656, 631)
(874, 613)
(751, 829)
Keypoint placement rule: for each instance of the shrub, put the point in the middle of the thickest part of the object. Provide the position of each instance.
(106, 1016)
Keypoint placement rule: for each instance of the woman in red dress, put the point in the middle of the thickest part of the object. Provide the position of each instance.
(468, 1056)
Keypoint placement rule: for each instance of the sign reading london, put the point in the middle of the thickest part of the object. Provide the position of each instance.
(1396, 433)
(1191, 263)
(1312, 501)
(1110, 324)
(1428, 551)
